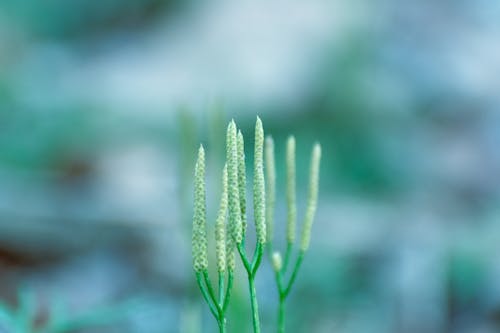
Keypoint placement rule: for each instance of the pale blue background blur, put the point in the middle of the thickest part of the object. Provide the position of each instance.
(102, 107)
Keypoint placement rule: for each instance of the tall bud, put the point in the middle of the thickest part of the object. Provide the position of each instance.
(312, 198)
(220, 226)
(233, 187)
(259, 193)
(270, 186)
(242, 182)
(199, 237)
(290, 190)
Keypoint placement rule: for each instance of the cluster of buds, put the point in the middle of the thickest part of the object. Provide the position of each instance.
(231, 221)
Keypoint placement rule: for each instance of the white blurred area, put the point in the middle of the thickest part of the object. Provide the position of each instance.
(256, 52)
(264, 52)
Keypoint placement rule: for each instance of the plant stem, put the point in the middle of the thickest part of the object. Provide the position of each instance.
(222, 325)
(221, 290)
(251, 268)
(284, 288)
(211, 291)
(206, 296)
(281, 315)
(255, 307)
(228, 291)
(288, 253)
(257, 258)
(300, 257)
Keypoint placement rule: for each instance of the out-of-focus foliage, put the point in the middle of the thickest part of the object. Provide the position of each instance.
(81, 19)
(26, 318)
(103, 103)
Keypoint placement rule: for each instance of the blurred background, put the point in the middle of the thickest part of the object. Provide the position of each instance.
(103, 105)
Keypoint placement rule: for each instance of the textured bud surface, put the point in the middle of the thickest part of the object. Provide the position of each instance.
(259, 193)
(220, 226)
(233, 190)
(242, 183)
(312, 198)
(277, 261)
(199, 237)
(290, 190)
(270, 186)
(230, 254)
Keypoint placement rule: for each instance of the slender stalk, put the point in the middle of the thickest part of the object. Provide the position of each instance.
(221, 290)
(288, 253)
(230, 278)
(211, 291)
(257, 258)
(251, 268)
(213, 309)
(284, 288)
(300, 257)
(222, 325)
(255, 307)
(281, 315)
(246, 263)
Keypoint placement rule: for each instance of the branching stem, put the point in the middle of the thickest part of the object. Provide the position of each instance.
(251, 268)
(218, 306)
(284, 288)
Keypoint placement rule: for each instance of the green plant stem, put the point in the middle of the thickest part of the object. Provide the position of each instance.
(221, 290)
(255, 307)
(251, 269)
(230, 277)
(222, 325)
(257, 258)
(199, 280)
(211, 291)
(281, 315)
(246, 263)
(288, 253)
(296, 268)
(284, 289)
(217, 308)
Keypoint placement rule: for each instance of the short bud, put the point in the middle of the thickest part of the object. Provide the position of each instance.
(277, 261)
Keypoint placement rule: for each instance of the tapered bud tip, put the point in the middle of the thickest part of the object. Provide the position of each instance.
(258, 124)
(291, 140)
(317, 150)
(277, 262)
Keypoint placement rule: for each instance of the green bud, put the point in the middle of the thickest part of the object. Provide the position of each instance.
(242, 181)
(199, 237)
(270, 186)
(233, 186)
(277, 262)
(290, 190)
(259, 193)
(230, 254)
(220, 226)
(312, 198)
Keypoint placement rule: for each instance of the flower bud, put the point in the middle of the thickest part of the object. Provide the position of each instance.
(242, 183)
(259, 192)
(270, 186)
(290, 190)
(312, 197)
(199, 237)
(220, 226)
(277, 262)
(233, 187)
